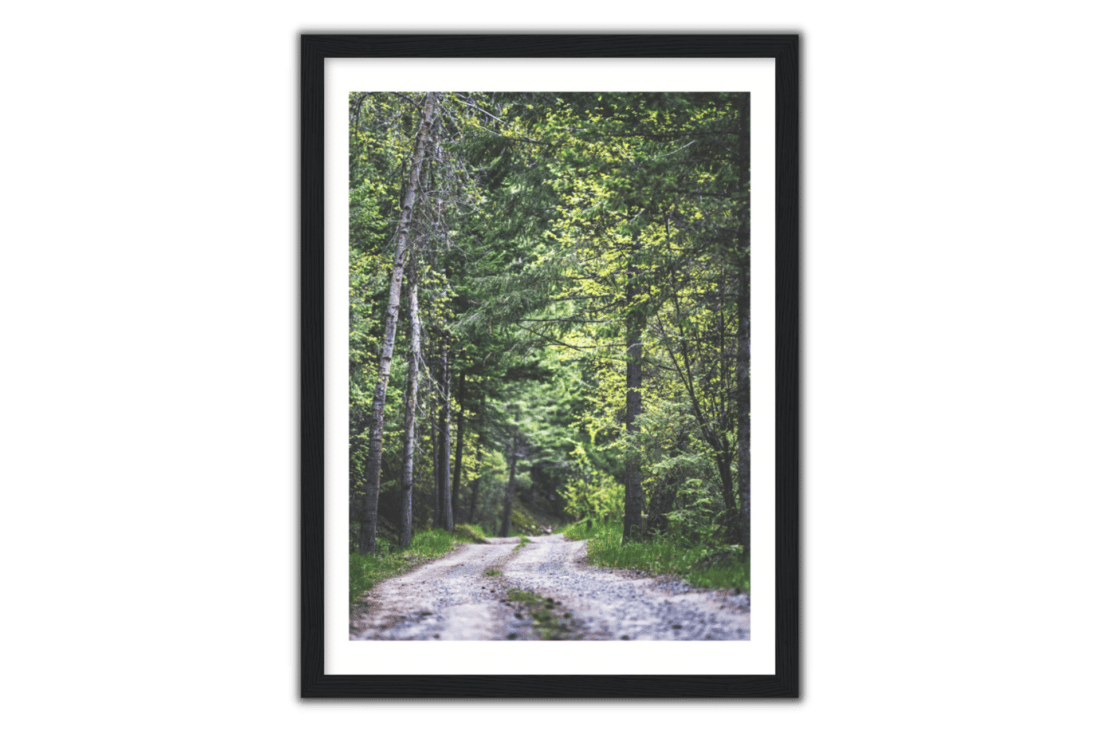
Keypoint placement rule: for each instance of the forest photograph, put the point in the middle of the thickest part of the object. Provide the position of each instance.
(549, 366)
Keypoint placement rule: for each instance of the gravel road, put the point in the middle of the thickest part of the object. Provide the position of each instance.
(553, 595)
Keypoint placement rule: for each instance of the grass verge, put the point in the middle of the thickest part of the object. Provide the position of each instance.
(366, 571)
(703, 567)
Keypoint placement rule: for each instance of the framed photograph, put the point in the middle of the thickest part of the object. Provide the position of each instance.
(549, 366)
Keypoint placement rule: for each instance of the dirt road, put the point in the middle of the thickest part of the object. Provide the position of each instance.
(543, 591)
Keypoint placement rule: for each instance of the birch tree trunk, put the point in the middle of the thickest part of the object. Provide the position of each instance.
(405, 536)
(368, 526)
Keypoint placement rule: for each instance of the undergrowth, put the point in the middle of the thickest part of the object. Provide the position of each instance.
(705, 567)
(366, 571)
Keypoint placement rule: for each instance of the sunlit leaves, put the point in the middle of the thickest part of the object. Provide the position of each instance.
(541, 210)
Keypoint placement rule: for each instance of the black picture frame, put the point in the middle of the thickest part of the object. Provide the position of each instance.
(784, 49)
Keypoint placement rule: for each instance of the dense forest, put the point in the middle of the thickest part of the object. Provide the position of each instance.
(550, 316)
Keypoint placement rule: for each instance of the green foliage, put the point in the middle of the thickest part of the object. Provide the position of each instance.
(693, 521)
(491, 572)
(705, 567)
(591, 492)
(542, 209)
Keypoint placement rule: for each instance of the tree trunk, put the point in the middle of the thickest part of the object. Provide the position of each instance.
(743, 332)
(405, 533)
(446, 513)
(632, 514)
(509, 490)
(435, 462)
(457, 482)
(743, 397)
(475, 484)
(368, 527)
(729, 498)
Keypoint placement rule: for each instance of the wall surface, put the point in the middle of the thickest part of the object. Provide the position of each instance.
(148, 280)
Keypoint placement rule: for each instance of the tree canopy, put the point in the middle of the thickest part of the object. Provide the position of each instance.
(549, 301)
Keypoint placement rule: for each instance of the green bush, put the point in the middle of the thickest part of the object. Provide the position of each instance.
(694, 523)
(591, 491)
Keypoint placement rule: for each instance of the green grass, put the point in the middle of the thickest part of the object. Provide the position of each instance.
(703, 567)
(524, 540)
(521, 596)
(470, 533)
(366, 571)
(548, 624)
(493, 571)
(579, 531)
